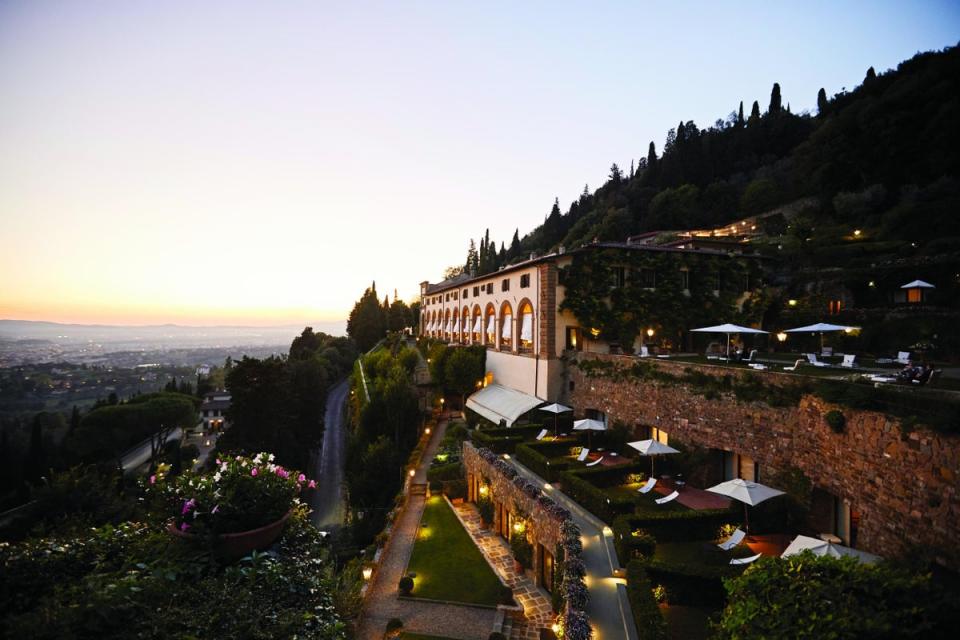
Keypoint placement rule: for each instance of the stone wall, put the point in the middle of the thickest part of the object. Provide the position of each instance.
(906, 491)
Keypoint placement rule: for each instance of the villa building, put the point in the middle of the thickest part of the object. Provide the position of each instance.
(213, 411)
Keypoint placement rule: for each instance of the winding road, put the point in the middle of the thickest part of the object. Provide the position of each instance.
(328, 499)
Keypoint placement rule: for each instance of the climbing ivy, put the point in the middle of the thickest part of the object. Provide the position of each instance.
(620, 308)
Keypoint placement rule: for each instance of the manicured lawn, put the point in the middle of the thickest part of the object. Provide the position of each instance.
(699, 552)
(448, 564)
(645, 502)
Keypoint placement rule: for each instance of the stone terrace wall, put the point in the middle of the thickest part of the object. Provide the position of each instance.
(907, 491)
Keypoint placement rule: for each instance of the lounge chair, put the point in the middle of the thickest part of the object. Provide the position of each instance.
(903, 357)
(735, 538)
(595, 462)
(584, 452)
(748, 359)
(826, 352)
(812, 358)
(669, 498)
(756, 366)
(648, 486)
(795, 365)
(542, 434)
(746, 560)
(644, 352)
(849, 361)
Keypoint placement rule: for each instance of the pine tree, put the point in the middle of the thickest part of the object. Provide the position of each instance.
(821, 101)
(472, 264)
(740, 115)
(754, 114)
(775, 101)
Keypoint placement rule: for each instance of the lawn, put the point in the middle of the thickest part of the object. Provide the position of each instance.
(701, 552)
(447, 564)
(645, 503)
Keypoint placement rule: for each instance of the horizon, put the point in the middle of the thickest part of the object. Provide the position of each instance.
(155, 168)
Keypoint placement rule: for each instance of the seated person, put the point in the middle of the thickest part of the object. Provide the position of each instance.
(908, 373)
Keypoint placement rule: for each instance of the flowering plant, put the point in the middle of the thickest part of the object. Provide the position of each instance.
(240, 494)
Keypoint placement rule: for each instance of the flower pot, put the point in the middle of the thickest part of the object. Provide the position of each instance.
(233, 546)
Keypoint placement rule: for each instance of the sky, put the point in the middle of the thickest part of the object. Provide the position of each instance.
(261, 163)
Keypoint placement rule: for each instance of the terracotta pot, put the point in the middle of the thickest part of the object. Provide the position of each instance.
(233, 546)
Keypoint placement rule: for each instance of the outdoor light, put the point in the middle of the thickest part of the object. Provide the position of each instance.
(595, 332)
(547, 485)
(555, 627)
(871, 284)
(367, 573)
(413, 472)
(484, 490)
(427, 431)
(650, 332)
(792, 302)
(207, 443)
(442, 400)
(607, 531)
(856, 233)
(782, 337)
(506, 456)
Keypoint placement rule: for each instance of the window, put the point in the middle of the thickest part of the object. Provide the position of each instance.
(915, 296)
(505, 284)
(834, 306)
(525, 281)
(648, 278)
(574, 339)
(489, 288)
(685, 279)
(476, 291)
(618, 277)
(466, 293)
(571, 385)
(456, 294)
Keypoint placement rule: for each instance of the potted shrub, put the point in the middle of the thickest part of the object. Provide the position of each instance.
(405, 585)
(522, 551)
(394, 628)
(242, 505)
(485, 508)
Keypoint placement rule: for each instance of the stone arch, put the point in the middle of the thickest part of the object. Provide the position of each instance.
(490, 325)
(446, 329)
(525, 325)
(476, 332)
(465, 324)
(506, 331)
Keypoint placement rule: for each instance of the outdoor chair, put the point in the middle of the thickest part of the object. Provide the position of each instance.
(903, 357)
(584, 452)
(749, 358)
(735, 538)
(826, 352)
(849, 361)
(644, 352)
(812, 358)
(757, 366)
(648, 486)
(595, 462)
(542, 434)
(795, 365)
(927, 377)
(746, 560)
(669, 498)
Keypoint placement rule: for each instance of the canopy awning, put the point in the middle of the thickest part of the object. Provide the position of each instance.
(526, 327)
(496, 402)
(507, 331)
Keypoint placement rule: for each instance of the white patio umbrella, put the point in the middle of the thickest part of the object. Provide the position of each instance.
(822, 548)
(728, 329)
(918, 284)
(821, 328)
(590, 425)
(749, 493)
(556, 409)
(652, 448)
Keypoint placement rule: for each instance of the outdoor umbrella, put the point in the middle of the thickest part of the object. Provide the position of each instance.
(749, 493)
(555, 409)
(821, 328)
(590, 425)
(651, 448)
(822, 548)
(728, 329)
(918, 284)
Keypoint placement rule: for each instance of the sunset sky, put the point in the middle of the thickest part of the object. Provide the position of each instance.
(262, 162)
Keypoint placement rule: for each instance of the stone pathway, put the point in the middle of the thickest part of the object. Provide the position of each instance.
(382, 604)
(537, 609)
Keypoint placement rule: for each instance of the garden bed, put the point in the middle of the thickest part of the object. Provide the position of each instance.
(448, 565)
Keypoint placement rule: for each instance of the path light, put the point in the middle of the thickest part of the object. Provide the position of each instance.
(856, 233)
(506, 456)
(427, 431)
(484, 490)
(547, 485)
(607, 531)
(792, 302)
(367, 573)
(413, 472)
(207, 443)
(782, 337)
(650, 332)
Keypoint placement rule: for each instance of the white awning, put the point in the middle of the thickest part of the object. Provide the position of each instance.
(491, 325)
(526, 327)
(449, 326)
(478, 325)
(507, 332)
(496, 402)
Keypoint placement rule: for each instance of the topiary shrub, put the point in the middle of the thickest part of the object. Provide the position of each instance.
(394, 626)
(835, 420)
(522, 549)
(485, 508)
(405, 585)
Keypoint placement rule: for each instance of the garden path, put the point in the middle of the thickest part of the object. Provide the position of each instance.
(608, 609)
(382, 603)
(537, 609)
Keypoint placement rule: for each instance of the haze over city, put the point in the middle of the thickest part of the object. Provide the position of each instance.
(259, 163)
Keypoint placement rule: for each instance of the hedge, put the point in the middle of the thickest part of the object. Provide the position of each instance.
(674, 526)
(602, 477)
(646, 612)
(539, 463)
(504, 440)
(452, 471)
(593, 499)
(691, 584)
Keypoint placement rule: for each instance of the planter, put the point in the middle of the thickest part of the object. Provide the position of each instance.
(233, 546)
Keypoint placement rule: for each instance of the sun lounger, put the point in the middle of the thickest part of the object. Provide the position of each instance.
(849, 361)
(734, 539)
(669, 498)
(757, 366)
(812, 358)
(826, 352)
(595, 462)
(644, 352)
(746, 560)
(542, 434)
(753, 354)
(903, 357)
(794, 367)
(648, 486)
(583, 454)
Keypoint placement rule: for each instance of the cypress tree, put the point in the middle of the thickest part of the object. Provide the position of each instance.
(775, 101)
(754, 113)
(651, 158)
(871, 76)
(36, 457)
(740, 115)
(821, 101)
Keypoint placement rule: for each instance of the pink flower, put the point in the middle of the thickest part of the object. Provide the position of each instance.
(188, 505)
(184, 526)
(153, 479)
(301, 478)
(312, 484)
(215, 509)
(253, 472)
(219, 462)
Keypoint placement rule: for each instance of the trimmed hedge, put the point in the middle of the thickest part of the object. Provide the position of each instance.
(594, 499)
(646, 612)
(452, 471)
(673, 526)
(691, 584)
(539, 463)
(504, 440)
